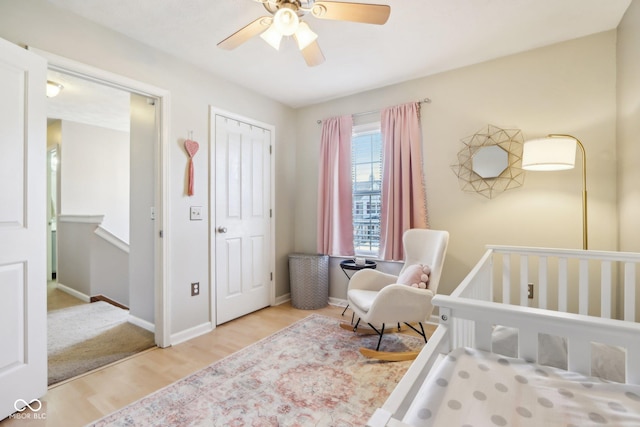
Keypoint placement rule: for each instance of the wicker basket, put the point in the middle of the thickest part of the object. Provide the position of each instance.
(309, 277)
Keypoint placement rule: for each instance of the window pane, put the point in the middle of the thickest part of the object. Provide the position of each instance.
(366, 175)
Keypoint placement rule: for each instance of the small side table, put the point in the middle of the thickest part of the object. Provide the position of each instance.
(350, 265)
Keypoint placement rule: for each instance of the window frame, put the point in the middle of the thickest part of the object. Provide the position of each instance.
(373, 251)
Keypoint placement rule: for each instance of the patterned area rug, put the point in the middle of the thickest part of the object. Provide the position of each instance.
(308, 374)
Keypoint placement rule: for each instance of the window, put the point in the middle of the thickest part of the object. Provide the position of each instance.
(366, 172)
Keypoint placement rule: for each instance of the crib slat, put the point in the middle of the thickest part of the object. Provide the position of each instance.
(605, 290)
(524, 280)
(506, 279)
(583, 286)
(542, 282)
(562, 284)
(489, 273)
(629, 291)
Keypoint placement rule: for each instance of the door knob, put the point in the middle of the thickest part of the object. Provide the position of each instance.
(222, 229)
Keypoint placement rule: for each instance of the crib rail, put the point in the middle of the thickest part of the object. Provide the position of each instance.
(581, 331)
(480, 316)
(400, 399)
(595, 283)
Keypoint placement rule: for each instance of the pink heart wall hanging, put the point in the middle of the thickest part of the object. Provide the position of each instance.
(192, 148)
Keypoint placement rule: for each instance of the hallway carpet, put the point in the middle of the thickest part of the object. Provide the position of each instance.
(88, 336)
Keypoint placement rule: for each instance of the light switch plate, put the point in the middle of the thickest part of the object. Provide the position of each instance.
(195, 213)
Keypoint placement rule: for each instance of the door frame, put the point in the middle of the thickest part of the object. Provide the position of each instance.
(213, 112)
(162, 229)
(51, 184)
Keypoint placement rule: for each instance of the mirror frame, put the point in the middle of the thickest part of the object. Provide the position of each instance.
(480, 179)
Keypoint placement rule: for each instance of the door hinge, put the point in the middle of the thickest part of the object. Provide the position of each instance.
(270, 213)
(161, 234)
(270, 149)
(271, 274)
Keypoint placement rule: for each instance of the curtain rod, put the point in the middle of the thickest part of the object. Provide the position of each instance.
(364, 113)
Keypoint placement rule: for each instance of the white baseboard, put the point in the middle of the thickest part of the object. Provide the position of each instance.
(142, 323)
(338, 302)
(190, 333)
(282, 299)
(332, 301)
(73, 292)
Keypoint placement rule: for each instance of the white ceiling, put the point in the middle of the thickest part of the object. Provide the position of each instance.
(88, 102)
(422, 37)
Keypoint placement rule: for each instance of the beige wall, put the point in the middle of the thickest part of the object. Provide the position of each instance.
(629, 129)
(565, 88)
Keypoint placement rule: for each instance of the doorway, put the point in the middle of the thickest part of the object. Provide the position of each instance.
(157, 315)
(101, 143)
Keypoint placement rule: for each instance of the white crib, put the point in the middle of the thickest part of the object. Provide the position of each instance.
(577, 295)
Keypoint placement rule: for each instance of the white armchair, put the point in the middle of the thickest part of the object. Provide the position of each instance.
(377, 299)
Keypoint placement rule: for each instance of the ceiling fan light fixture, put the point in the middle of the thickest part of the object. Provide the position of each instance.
(272, 36)
(304, 35)
(286, 21)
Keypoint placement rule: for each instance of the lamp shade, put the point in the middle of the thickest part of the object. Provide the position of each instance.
(304, 36)
(552, 153)
(272, 36)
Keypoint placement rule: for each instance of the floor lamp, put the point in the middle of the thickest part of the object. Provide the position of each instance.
(558, 152)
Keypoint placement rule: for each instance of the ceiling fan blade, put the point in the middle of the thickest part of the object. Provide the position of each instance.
(245, 33)
(356, 12)
(312, 54)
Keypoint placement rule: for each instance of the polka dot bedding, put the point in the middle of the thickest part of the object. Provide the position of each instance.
(473, 388)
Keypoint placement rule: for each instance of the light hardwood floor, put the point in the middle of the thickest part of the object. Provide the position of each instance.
(87, 398)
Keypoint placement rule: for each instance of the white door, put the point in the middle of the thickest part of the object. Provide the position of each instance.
(241, 227)
(23, 224)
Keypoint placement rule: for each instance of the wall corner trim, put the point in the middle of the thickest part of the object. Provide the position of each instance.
(142, 323)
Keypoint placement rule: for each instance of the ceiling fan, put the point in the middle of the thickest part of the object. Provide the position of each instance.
(286, 20)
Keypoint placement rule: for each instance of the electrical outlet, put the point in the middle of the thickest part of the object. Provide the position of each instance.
(530, 291)
(195, 213)
(195, 289)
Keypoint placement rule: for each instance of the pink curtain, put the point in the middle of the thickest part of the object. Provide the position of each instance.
(404, 204)
(335, 224)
